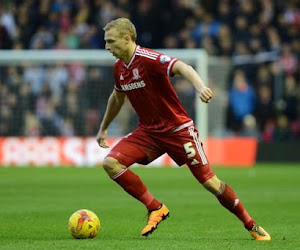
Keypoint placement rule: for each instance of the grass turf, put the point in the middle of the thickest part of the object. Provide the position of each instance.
(35, 204)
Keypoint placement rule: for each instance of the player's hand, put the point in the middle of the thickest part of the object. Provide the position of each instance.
(101, 138)
(205, 94)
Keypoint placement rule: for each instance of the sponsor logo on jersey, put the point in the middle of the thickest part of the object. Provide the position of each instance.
(121, 77)
(133, 85)
(136, 74)
(164, 59)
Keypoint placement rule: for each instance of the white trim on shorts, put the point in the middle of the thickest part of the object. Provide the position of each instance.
(183, 126)
(198, 145)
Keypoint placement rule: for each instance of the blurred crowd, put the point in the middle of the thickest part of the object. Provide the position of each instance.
(260, 37)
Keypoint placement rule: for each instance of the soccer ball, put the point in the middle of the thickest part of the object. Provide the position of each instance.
(84, 224)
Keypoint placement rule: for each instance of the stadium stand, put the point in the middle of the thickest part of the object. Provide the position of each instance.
(261, 38)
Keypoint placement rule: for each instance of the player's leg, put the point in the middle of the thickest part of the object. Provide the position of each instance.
(223, 193)
(130, 182)
(137, 147)
(185, 148)
(229, 200)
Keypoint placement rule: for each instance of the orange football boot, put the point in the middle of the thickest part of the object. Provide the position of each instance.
(258, 233)
(154, 218)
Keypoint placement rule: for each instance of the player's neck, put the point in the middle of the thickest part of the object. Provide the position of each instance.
(130, 52)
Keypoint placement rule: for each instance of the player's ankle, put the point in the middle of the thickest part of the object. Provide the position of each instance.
(249, 224)
(154, 205)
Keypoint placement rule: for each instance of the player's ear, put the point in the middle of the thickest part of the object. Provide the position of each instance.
(127, 39)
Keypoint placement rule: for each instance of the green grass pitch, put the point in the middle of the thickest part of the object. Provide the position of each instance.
(36, 203)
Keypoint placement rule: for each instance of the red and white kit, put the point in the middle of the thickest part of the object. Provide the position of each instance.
(164, 126)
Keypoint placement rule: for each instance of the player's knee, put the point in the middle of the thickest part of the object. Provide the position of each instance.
(112, 166)
(213, 184)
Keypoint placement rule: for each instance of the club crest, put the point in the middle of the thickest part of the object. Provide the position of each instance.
(136, 74)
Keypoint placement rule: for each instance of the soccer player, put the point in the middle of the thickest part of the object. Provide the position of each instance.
(142, 76)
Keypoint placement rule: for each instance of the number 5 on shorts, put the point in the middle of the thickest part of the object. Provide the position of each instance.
(188, 147)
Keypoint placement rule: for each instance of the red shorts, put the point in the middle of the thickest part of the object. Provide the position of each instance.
(182, 146)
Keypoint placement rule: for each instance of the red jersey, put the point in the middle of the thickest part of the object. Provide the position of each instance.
(145, 81)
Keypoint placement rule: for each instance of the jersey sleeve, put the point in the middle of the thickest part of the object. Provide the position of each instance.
(162, 65)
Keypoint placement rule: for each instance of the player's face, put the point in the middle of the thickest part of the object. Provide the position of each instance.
(114, 43)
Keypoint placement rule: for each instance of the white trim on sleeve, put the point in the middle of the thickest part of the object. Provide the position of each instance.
(170, 65)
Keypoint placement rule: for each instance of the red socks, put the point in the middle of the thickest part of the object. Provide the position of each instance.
(229, 200)
(133, 185)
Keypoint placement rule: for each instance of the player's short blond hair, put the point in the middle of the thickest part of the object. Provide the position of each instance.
(124, 27)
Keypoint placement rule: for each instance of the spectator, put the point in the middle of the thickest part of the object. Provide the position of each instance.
(209, 27)
(242, 33)
(5, 41)
(42, 39)
(53, 24)
(265, 110)
(67, 128)
(95, 105)
(25, 30)
(27, 99)
(65, 21)
(241, 100)
(288, 60)
(7, 19)
(291, 99)
(57, 77)
(282, 131)
(32, 125)
(224, 15)
(142, 17)
(224, 41)
(35, 76)
(249, 128)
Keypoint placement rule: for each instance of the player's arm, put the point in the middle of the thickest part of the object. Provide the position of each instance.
(187, 71)
(114, 104)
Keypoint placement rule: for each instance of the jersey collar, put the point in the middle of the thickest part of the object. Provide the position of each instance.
(132, 58)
